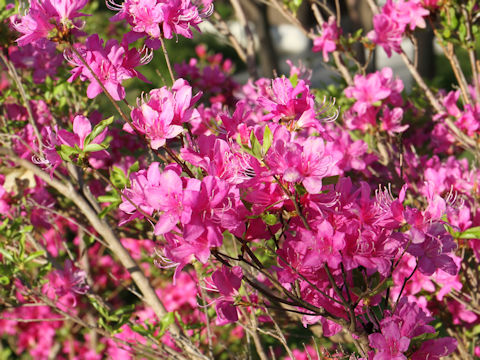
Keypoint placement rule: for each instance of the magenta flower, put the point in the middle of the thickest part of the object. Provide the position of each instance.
(157, 19)
(387, 33)
(170, 199)
(431, 248)
(65, 283)
(161, 116)
(156, 126)
(391, 121)
(390, 344)
(368, 91)
(326, 42)
(308, 163)
(112, 65)
(435, 349)
(45, 16)
(295, 105)
(137, 196)
(227, 281)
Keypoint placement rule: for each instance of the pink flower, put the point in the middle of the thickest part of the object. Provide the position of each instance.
(227, 281)
(45, 16)
(392, 119)
(368, 91)
(64, 284)
(431, 248)
(308, 163)
(171, 200)
(326, 42)
(161, 116)
(391, 23)
(81, 129)
(43, 61)
(295, 105)
(390, 344)
(435, 349)
(157, 19)
(387, 33)
(112, 65)
(136, 196)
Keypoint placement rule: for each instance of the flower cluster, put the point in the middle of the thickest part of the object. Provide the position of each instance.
(213, 208)
(391, 23)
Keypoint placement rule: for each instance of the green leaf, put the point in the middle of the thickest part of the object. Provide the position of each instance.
(256, 147)
(118, 177)
(134, 168)
(98, 129)
(446, 33)
(294, 80)
(267, 140)
(106, 210)
(109, 198)
(166, 321)
(269, 219)
(140, 329)
(93, 147)
(453, 18)
(4, 280)
(385, 285)
(300, 189)
(472, 233)
(26, 229)
(66, 152)
(34, 255)
(330, 180)
(6, 254)
(462, 31)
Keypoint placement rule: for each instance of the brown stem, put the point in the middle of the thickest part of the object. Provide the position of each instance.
(465, 140)
(224, 29)
(21, 90)
(167, 60)
(471, 51)
(250, 48)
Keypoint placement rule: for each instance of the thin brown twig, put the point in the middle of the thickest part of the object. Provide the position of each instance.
(472, 55)
(21, 90)
(250, 47)
(223, 28)
(167, 59)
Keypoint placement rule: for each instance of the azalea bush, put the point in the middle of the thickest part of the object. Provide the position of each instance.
(214, 219)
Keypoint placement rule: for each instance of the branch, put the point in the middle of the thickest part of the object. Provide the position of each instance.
(21, 90)
(250, 49)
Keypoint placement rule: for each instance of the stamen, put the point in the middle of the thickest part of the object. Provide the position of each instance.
(148, 55)
(112, 5)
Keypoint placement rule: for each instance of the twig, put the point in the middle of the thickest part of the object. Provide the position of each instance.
(167, 59)
(223, 28)
(471, 51)
(250, 48)
(21, 90)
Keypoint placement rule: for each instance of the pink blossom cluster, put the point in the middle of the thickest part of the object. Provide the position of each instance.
(394, 19)
(111, 65)
(252, 196)
(161, 117)
(373, 94)
(154, 19)
(327, 41)
(48, 20)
